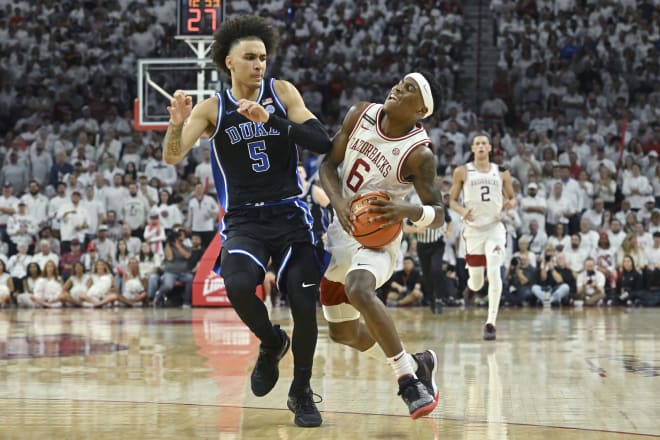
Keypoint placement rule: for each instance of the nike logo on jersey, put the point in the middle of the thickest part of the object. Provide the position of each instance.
(230, 112)
(305, 285)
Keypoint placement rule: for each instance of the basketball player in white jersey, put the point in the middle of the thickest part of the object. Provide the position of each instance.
(487, 190)
(380, 147)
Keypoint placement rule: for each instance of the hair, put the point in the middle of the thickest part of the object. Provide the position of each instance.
(33, 265)
(244, 27)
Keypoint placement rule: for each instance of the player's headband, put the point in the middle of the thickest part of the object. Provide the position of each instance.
(425, 88)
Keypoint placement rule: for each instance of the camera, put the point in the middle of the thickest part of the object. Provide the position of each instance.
(591, 273)
(548, 258)
(515, 261)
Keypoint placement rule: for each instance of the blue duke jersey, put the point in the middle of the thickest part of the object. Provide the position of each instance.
(252, 163)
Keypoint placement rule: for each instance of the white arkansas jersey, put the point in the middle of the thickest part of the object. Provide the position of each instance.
(482, 193)
(373, 161)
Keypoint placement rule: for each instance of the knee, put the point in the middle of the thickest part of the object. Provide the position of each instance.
(239, 284)
(360, 289)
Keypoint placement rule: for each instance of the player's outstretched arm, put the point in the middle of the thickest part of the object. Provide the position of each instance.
(186, 125)
(458, 178)
(328, 172)
(301, 124)
(421, 166)
(510, 201)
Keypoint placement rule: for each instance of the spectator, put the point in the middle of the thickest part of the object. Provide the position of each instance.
(631, 285)
(588, 237)
(37, 204)
(133, 244)
(590, 285)
(168, 213)
(204, 174)
(202, 214)
(554, 279)
(149, 268)
(73, 221)
(147, 191)
(536, 238)
(134, 292)
(40, 163)
(405, 287)
(8, 207)
(95, 212)
(520, 276)
(15, 173)
(105, 247)
(576, 254)
(631, 248)
(45, 254)
(33, 274)
(559, 209)
(175, 268)
(101, 289)
(155, 236)
(595, 215)
(114, 226)
(21, 228)
(605, 257)
(6, 286)
(60, 168)
(134, 211)
(533, 207)
(18, 264)
(636, 188)
(559, 240)
(76, 285)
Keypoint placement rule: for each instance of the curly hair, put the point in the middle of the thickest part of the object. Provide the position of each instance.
(242, 28)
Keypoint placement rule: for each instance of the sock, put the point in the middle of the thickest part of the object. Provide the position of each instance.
(494, 296)
(374, 352)
(402, 364)
(301, 377)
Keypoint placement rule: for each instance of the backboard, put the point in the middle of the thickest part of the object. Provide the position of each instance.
(158, 78)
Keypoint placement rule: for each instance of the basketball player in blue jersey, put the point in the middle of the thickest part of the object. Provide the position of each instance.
(381, 147)
(487, 190)
(254, 128)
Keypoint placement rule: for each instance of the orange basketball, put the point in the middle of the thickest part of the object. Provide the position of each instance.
(371, 235)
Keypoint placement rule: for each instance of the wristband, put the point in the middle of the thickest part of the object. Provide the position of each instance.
(428, 215)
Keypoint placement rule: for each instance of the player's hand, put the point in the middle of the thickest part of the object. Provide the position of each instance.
(468, 216)
(180, 108)
(344, 214)
(509, 204)
(392, 211)
(253, 111)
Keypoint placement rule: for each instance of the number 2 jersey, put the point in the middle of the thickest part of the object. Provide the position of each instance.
(482, 193)
(373, 161)
(253, 163)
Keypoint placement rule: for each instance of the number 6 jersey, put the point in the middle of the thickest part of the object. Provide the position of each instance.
(373, 161)
(482, 193)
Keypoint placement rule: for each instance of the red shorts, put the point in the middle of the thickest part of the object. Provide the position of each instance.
(332, 293)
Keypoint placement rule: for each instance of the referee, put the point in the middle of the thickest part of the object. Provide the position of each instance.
(430, 250)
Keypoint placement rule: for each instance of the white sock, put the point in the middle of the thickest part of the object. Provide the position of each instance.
(402, 364)
(374, 352)
(494, 296)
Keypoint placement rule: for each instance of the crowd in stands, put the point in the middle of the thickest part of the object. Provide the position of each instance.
(573, 114)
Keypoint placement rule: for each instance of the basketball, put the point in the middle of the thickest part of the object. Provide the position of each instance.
(371, 235)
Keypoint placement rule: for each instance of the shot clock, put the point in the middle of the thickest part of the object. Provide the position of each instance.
(199, 18)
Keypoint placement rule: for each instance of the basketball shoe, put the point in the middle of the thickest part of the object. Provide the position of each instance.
(416, 396)
(427, 365)
(489, 332)
(303, 406)
(266, 371)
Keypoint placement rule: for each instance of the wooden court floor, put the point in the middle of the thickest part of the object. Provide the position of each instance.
(184, 374)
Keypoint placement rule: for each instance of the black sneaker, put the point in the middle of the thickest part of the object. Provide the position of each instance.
(489, 332)
(427, 365)
(266, 371)
(306, 413)
(415, 395)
